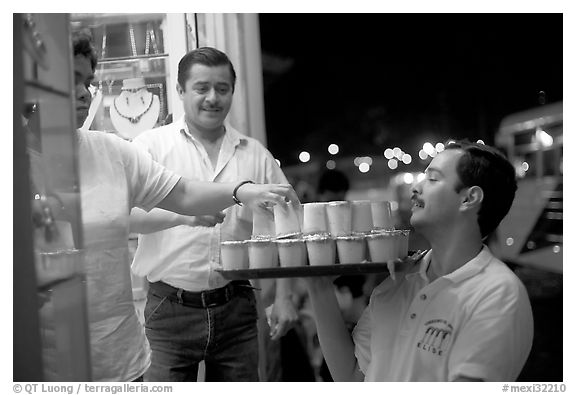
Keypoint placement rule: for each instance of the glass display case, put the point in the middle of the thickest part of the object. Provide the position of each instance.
(133, 77)
(49, 268)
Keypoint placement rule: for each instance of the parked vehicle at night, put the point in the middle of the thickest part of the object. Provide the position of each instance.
(531, 234)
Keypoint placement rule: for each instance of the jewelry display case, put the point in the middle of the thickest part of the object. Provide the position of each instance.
(51, 340)
(133, 47)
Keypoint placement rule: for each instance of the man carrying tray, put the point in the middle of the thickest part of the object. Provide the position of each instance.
(459, 314)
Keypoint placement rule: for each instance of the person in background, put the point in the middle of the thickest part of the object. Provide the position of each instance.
(332, 185)
(114, 177)
(352, 302)
(459, 314)
(192, 313)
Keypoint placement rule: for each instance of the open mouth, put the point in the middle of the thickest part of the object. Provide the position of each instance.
(416, 203)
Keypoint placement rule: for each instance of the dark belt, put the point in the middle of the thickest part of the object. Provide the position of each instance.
(205, 299)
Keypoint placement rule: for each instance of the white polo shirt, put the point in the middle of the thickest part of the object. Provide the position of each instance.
(183, 256)
(476, 322)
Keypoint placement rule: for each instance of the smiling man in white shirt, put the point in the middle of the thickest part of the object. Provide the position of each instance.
(179, 257)
(459, 314)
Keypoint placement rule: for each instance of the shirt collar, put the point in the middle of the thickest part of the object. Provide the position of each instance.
(232, 136)
(469, 269)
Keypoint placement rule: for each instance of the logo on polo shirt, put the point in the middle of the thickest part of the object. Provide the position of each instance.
(436, 337)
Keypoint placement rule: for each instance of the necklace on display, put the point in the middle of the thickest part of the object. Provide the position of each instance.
(136, 118)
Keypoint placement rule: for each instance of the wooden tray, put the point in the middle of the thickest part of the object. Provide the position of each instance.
(312, 271)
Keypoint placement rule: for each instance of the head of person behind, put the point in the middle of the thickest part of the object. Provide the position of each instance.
(468, 189)
(350, 296)
(85, 61)
(332, 185)
(206, 81)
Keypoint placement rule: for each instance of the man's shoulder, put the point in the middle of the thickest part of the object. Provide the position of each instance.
(245, 140)
(159, 133)
(100, 138)
(498, 278)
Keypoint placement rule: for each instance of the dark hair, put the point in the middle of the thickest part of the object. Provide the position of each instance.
(355, 284)
(82, 45)
(333, 180)
(487, 168)
(207, 56)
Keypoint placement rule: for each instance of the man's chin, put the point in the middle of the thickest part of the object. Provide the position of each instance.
(80, 119)
(415, 222)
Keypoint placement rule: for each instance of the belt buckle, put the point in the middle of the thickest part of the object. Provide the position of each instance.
(207, 305)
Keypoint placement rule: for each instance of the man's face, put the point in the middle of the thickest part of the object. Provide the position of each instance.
(83, 77)
(435, 202)
(207, 96)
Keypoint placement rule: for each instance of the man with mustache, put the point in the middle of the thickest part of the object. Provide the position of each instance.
(179, 257)
(459, 314)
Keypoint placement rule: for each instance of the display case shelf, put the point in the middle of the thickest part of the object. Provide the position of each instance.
(128, 46)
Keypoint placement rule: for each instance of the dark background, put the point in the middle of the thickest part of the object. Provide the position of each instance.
(372, 81)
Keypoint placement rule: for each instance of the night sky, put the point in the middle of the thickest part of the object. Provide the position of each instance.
(372, 81)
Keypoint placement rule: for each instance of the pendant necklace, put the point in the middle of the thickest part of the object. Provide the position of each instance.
(134, 119)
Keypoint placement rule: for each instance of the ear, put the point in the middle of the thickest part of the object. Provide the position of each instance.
(472, 198)
(179, 90)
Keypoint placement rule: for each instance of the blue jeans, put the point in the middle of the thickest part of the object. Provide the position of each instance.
(225, 337)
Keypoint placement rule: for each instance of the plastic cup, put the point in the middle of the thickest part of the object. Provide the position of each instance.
(351, 249)
(339, 215)
(262, 253)
(382, 215)
(314, 218)
(234, 255)
(403, 244)
(262, 224)
(292, 252)
(52, 266)
(362, 216)
(287, 219)
(321, 250)
(383, 246)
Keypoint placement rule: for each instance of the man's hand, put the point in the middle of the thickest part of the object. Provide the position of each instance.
(204, 220)
(283, 317)
(266, 195)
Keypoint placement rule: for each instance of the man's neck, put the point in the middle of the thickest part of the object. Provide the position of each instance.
(207, 136)
(452, 250)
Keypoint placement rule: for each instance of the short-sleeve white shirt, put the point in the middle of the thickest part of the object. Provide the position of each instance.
(114, 177)
(475, 322)
(183, 256)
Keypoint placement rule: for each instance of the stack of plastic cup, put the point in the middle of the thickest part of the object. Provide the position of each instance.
(262, 253)
(287, 219)
(263, 224)
(234, 255)
(339, 215)
(382, 215)
(383, 245)
(314, 218)
(362, 216)
(321, 250)
(351, 249)
(292, 252)
(403, 244)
